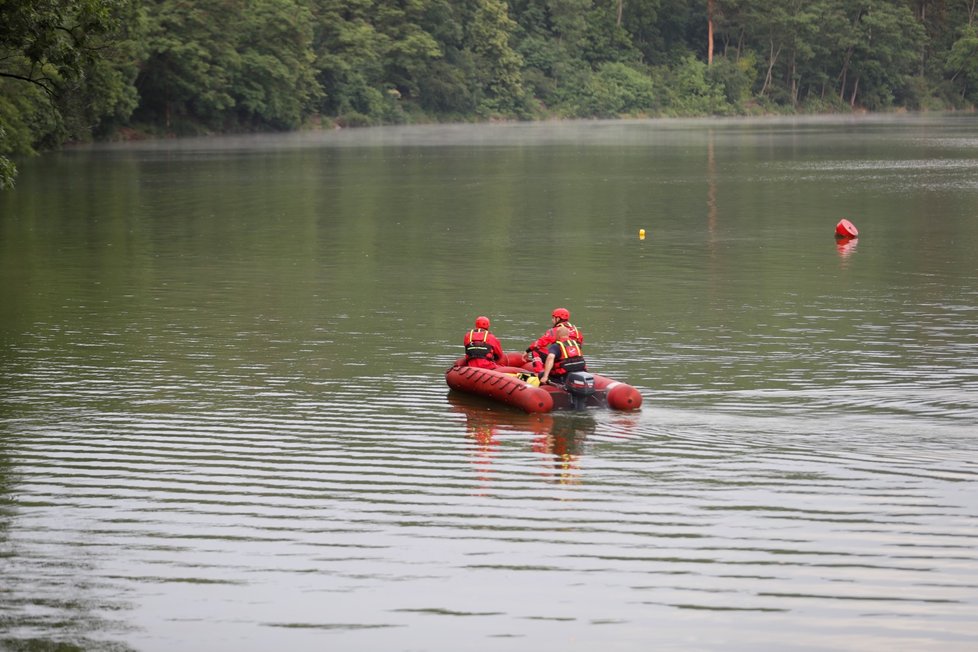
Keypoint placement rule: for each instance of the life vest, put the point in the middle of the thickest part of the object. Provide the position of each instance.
(574, 334)
(550, 337)
(478, 348)
(571, 358)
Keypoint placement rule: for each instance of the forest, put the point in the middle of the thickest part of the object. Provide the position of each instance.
(82, 70)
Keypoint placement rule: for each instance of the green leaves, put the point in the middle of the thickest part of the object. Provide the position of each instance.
(499, 65)
(962, 63)
(8, 171)
(228, 63)
(66, 70)
(616, 89)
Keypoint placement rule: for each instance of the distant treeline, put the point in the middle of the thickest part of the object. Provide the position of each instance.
(75, 70)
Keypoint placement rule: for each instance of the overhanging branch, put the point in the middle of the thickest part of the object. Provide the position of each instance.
(43, 83)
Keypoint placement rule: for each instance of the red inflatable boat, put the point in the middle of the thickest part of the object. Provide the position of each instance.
(508, 384)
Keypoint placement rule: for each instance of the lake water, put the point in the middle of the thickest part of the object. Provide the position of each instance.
(224, 423)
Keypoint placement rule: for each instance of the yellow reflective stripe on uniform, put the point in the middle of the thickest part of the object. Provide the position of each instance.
(573, 329)
(563, 348)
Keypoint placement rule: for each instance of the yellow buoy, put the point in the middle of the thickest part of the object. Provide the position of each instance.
(641, 234)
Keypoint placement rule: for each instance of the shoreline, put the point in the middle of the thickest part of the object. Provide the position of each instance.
(135, 137)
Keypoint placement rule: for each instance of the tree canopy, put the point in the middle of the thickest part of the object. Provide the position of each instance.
(74, 70)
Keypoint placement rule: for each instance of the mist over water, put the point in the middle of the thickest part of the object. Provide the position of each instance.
(224, 420)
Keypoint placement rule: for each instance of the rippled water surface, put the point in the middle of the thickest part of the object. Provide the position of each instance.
(224, 423)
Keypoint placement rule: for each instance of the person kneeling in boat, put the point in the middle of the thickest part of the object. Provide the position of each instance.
(536, 353)
(563, 356)
(482, 349)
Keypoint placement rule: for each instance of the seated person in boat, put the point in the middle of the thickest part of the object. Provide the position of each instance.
(537, 352)
(563, 356)
(482, 349)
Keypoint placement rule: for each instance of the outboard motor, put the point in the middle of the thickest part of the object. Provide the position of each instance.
(580, 385)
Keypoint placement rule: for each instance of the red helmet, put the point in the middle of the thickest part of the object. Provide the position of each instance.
(482, 322)
(561, 313)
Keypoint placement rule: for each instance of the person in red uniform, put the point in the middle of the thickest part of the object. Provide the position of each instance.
(482, 349)
(563, 356)
(536, 353)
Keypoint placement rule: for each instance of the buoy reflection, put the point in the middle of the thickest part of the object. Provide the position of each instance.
(846, 246)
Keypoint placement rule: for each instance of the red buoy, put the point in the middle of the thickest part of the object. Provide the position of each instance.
(846, 229)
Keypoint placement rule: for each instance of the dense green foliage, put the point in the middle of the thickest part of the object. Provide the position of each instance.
(79, 69)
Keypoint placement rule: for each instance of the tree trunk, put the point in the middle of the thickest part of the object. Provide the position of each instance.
(621, 10)
(792, 81)
(844, 74)
(709, 32)
(855, 89)
(772, 59)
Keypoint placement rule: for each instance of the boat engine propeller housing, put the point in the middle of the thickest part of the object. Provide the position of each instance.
(580, 385)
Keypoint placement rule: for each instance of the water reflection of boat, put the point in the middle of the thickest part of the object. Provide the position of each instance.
(563, 446)
(558, 438)
(508, 384)
(484, 423)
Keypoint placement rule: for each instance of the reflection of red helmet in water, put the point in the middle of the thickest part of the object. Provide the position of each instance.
(482, 322)
(561, 314)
